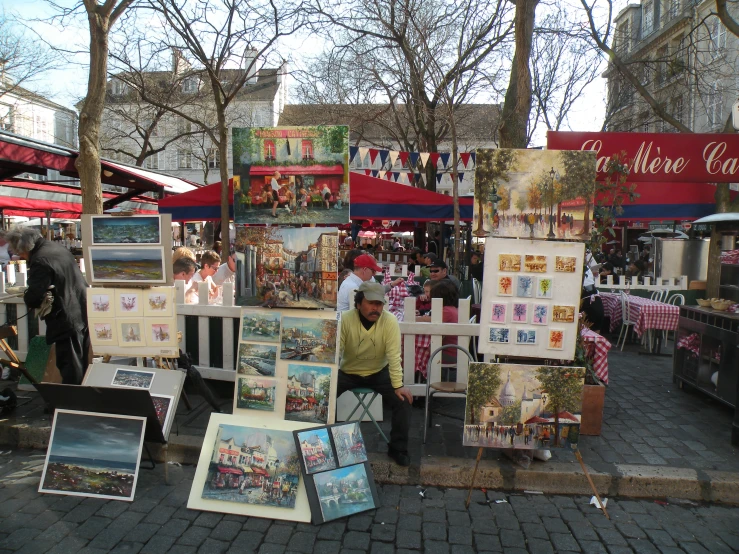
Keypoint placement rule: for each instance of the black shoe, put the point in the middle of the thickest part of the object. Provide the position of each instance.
(400, 458)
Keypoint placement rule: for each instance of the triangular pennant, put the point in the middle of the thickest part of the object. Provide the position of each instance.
(417, 178)
(352, 152)
(404, 157)
(460, 177)
(362, 154)
(393, 156)
(445, 158)
(434, 156)
(374, 173)
(414, 160)
(383, 157)
(465, 157)
(439, 177)
(474, 159)
(424, 158)
(368, 172)
(396, 174)
(373, 154)
(381, 174)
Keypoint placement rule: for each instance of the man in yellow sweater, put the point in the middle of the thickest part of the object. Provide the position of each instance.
(370, 358)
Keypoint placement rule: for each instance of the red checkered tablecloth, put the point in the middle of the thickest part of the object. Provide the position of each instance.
(648, 314)
(423, 352)
(611, 307)
(598, 347)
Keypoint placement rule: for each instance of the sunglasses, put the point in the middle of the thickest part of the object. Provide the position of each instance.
(434, 271)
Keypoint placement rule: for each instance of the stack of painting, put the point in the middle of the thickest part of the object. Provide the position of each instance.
(530, 298)
(338, 476)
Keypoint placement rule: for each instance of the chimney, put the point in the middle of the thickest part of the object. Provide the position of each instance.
(250, 65)
(179, 63)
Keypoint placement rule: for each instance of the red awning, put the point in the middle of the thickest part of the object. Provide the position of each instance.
(260, 471)
(231, 470)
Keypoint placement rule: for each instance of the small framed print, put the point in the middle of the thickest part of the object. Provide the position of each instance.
(526, 336)
(563, 314)
(509, 262)
(158, 302)
(565, 264)
(498, 312)
(100, 303)
(129, 303)
(540, 314)
(525, 286)
(505, 285)
(500, 334)
(544, 287)
(161, 332)
(131, 332)
(103, 332)
(133, 378)
(556, 339)
(535, 263)
(520, 312)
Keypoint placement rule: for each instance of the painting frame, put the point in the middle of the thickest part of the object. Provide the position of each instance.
(304, 438)
(97, 298)
(122, 257)
(167, 329)
(140, 372)
(95, 326)
(98, 223)
(153, 297)
(127, 338)
(168, 415)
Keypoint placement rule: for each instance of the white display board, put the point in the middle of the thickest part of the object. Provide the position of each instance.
(531, 298)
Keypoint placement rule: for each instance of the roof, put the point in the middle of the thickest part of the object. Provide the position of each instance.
(26, 94)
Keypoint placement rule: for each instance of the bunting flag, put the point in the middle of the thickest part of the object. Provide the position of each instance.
(374, 172)
(445, 158)
(393, 156)
(465, 157)
(474, 158)
(434, 156)
(439, 176)
(373, 154)
(352, 152)
(414, 159)
(381, 174)
(367, 172)
(396, 174)
(362, 154)
(424, 158)
(403, 157)
(460, 177)
(383, 157)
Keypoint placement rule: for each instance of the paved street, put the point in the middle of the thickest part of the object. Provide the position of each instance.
(158, 522)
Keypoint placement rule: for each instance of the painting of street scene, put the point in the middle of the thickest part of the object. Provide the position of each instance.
(344, 491)
(315, 447)
(94, 455)
(257, 359)
(125, 230)
(253, 466)
(260, 325)
(532, 193)
(253, 393)
(142, 265)
(291, 175)
(349, 444)
(309, 339)
(523, 406)
(287, 267)
(162, 404)
(308, 391)
(133, 378)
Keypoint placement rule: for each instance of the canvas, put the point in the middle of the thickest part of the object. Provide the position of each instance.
(255, 393)
(144, 265)
(349, 443)
(538, 192)
(161, 331)
(308, 393)
(95, 455)
(131, 332)
(256, 359)
(126, 230)
(344, 491)
(103, 332)
(315, 450)
(556, 339)
(565, 264)
(520, 312)
(505, 285)
(129, 303)
(523, 406)
(509, 262)
(525, 286)
(526, 336)
(100, 302)
(563, 314)
(133, 378)
(544, 287)
(163, 406)
(309, 339)
(498, 312)
(309, 166)
(500, 334)
(287, 267)
(535, 263)
(260, 325)
(159, 302)
(540, 314)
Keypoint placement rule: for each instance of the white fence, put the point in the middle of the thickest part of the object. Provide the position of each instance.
(623, 282)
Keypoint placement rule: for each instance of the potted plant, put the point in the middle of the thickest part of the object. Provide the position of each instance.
(594, 391)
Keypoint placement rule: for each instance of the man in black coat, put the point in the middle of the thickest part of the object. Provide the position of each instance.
(52, 268)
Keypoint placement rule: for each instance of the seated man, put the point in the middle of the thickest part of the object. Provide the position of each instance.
(370, 357)
(438, 271)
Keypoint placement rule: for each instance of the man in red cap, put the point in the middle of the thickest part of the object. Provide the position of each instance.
(364, 270)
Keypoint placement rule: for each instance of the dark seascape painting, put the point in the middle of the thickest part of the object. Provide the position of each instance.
(126, 230)
(144, 265)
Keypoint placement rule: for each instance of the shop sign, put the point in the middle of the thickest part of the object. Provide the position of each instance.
(660, 157)
(637, 225)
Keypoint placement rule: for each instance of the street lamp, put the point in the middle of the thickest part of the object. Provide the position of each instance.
(552, 174)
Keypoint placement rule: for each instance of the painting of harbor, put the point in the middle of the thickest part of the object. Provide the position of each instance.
(142, 265)
(253, 393)
(349, 444)
(315, 448)
(126, 230)
(308, 391)
(260, 325)
(309, 339)
(343, 492)
(257, 359)
(94, 455)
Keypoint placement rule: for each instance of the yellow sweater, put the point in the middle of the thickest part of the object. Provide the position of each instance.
(364, 352)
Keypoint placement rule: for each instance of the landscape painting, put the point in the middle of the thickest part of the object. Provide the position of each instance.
(133, 378)
(344, 491)
(131, 332)
(126, 230)
(161, 333)
(498, 312)
(287, 267)
(526, 336)
(257, 359)
(309, 339)
(308, 392)
(260, 325)
(103, 332)
(315, 448)
(162, 405)
(255, 393)
(349, 444)
(535, 263)
(509, 262)
(140, 265)
(565, 264)
(159, 302)
(563, 314)
(250, 465)
(523, 406)
(499, 334)
(100, 302)
(94, 455)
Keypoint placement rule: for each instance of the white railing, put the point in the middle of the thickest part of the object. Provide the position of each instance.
(623, 282)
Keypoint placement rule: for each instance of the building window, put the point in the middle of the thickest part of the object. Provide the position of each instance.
(183, 126)
(645, 122)
(647, 18)
(117, 87)
(214, 159)
(715, 105)
(716, 37)
(677, 108)
(152, 162)
(623, 40)
(184, 159)
(674, 8)
(149, 127)
(307, 149)
(269, 150)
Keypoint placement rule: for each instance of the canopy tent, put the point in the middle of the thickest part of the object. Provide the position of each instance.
(676, 201)
(369, 197)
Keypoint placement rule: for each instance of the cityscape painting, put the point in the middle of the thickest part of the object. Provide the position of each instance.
(344, 491)
(315, 449)
(349, 444)
(309, 339)
(254, 393)
(116, 264)
(260, 325)
(256, 359)
(308, 392)
(287, 267)
(94, 455)
(126, 230)
(133, 378)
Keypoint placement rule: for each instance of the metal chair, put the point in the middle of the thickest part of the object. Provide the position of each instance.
(473, 344)
(361, 394)
(476, 291)
(445, 387)
(626, 322)
(659, 295)
(675, 300)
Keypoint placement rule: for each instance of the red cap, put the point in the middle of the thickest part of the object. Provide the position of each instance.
(365, 260)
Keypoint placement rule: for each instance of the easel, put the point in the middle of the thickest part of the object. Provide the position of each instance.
(579, 459)
(7, 331)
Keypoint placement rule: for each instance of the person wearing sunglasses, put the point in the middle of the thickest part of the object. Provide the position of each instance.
(438, 271)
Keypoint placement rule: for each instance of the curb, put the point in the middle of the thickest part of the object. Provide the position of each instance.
(631, 481)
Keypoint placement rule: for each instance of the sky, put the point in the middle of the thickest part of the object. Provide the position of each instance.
(97, 436)
(282, 441)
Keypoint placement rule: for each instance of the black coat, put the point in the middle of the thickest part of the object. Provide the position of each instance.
(52, 264)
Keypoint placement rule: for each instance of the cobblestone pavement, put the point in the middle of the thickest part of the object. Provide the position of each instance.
(158, 522)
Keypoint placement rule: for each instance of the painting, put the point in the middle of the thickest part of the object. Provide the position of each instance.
(544, 287)
(126, 230)
(540, 314)
(103, 333)
(509, 262)
(116, 264)
(523, 406)
(499, 334)
(133, 378)
(344, 491)
(287, 267)
(505, 286)
(498, 312)
(131, 332)
(526, 336)
(291, 175)
(257, 359)
(315, 450)
(525, 286)
(159, 302)
(520, 312)
(535, 263)
(556, 339)
(161, 332)
(563, 314)
(95, 455)
(565, 264)
(532, 193)
(260, 325)
(309, 339)
(349, 444)
(255, 393)
(162, 405)
(129, 303)
(100, 302)
(308, 392)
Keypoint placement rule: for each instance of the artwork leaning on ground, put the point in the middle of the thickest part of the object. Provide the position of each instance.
(525, 407)
(534, 188)
(291, 175)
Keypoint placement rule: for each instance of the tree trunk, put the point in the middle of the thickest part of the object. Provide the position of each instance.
(225, 200)
(455, 195)
(517, 105)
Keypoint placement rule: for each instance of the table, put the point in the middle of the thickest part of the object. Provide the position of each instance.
(598, 347)
(648, 314)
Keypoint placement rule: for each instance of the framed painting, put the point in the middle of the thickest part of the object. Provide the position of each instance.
(118, 264)
(132, 332)
(129, 302)
(563, 314)
(257, 359)
(309, 339)
(101, 303)
(163, 404)
(161, 331)
(137, 229)
(535, 263)
(544, 287)
(260, 325)
(103, 332)
(520, 312)
(525, 407)
(525, 286)
(349, 443)
(505, 285)
(341, 492)
(499, 335)
(255, 393)
(526, 336)
(565, 264)
(92, 454)
(316, 452)
(158, 302)
(509, 262)
(498, 312)
(556, 339)
(540, 314)
(133, 378)
(308, 393)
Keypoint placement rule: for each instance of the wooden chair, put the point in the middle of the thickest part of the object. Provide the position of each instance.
(444, 387)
